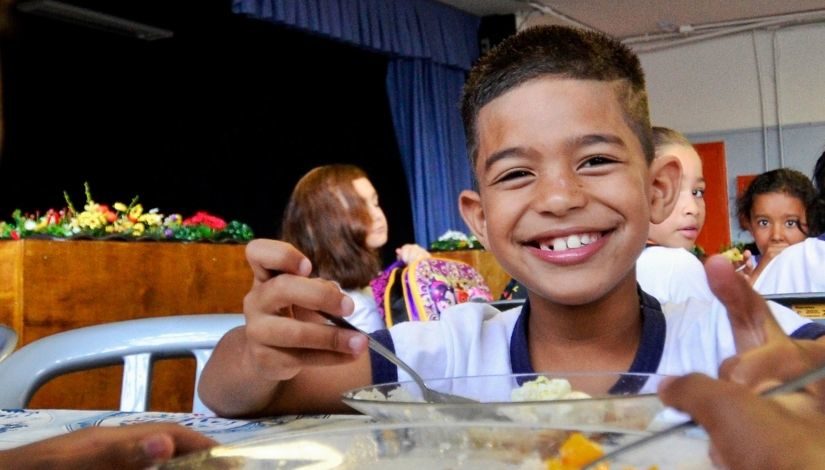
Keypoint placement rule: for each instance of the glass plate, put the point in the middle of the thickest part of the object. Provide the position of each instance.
(618, 401)
(432, 446)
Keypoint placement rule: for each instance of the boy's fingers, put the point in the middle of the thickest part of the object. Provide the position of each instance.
(266, 257)
(287, 333)
(287, 290)
(750, 317)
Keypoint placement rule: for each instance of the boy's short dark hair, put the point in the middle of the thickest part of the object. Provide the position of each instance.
(564, 52)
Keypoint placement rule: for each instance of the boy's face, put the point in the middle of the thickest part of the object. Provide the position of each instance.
(565, 196)
(682, 227)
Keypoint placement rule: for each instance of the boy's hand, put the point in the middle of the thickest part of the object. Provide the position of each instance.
(271, 364)
(283, 333)
(748, 431)
(136, 446)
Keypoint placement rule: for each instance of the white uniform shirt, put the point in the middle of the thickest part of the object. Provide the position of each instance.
(672, 275)
(474, 339)
(799, 268)
(365, 315)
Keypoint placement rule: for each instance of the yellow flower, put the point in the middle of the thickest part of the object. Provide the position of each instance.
(151, 220)
(135, 212)
(137, 229)
(120, 207)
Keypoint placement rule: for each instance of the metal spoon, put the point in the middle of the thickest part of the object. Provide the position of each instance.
(429, 395)
(788, 387)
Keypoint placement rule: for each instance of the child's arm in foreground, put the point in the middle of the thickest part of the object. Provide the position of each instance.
(285, 359)
(137, 446)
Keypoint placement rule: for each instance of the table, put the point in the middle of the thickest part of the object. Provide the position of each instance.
(19, 427)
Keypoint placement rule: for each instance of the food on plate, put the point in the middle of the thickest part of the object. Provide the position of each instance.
(576, 452)
(395, 394)
(543, 388)
(734, 255)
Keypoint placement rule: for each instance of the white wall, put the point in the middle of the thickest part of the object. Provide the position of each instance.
(710, 91)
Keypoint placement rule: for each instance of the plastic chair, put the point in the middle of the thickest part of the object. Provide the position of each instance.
(133, 343)
(8, 340)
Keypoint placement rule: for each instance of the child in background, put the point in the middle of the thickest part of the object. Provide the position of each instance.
(333, 216)
(666, 269)
(801, 267)
(560, 142)
(774, 209)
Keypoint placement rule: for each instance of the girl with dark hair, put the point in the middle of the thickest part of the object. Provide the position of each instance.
(775, 210)
(333, 216)
(799, 268)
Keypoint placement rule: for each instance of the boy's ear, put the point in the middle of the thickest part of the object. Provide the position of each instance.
(665, 179)
(469, 203)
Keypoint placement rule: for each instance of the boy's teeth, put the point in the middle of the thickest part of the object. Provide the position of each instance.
(570, 241)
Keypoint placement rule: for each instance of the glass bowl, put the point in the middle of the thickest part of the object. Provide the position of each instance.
(437, 446)
(616, 401)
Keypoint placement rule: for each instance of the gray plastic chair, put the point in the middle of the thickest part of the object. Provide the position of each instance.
(8, 340)
(133, 343)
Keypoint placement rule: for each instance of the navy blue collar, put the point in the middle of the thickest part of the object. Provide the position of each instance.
(648, 355)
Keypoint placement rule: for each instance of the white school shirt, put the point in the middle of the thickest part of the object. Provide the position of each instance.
(799, 268)
(672, 275)
(474, 339)
(365, 315)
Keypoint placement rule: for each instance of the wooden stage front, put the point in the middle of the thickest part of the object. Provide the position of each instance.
(51, 286)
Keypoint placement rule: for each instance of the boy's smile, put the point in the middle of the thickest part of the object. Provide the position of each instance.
(564, 189)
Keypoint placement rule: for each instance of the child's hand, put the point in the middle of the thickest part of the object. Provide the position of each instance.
(751, 320)
(283, 333)
(410, 253)
(747, 431)
(135, 446)
(766, 356)
(271, 365)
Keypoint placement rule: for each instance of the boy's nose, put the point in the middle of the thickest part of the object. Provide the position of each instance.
(559, 194)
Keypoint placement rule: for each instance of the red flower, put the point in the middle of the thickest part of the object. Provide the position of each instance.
(204, 218)
(15, 235)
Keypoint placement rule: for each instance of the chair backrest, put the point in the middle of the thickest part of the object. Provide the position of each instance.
(133, 343)
(8, 340)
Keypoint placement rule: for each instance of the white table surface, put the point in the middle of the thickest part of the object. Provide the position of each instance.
(19, 427)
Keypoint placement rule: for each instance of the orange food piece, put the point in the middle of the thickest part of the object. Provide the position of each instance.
(576, 452)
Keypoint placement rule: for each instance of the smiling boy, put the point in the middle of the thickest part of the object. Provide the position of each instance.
(559, 137)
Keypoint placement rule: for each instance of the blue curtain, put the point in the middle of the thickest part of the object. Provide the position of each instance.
(423, 97)
(432, 46)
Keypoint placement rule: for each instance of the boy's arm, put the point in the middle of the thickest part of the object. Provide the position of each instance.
(285, 359)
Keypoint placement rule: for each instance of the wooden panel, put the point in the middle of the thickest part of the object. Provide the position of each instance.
(716, 232)
(63, 285)
(485, 263)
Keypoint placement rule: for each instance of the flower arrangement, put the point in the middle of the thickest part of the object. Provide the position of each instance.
(453, 240)
(121, 221)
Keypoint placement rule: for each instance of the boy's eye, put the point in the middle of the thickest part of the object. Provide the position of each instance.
(762, 222)
(596, 160)
(511, 175)
(791, 223)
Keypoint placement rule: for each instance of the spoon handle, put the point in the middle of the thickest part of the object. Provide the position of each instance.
(377, 347)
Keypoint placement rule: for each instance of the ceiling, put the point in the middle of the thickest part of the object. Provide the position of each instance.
(637, 18)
